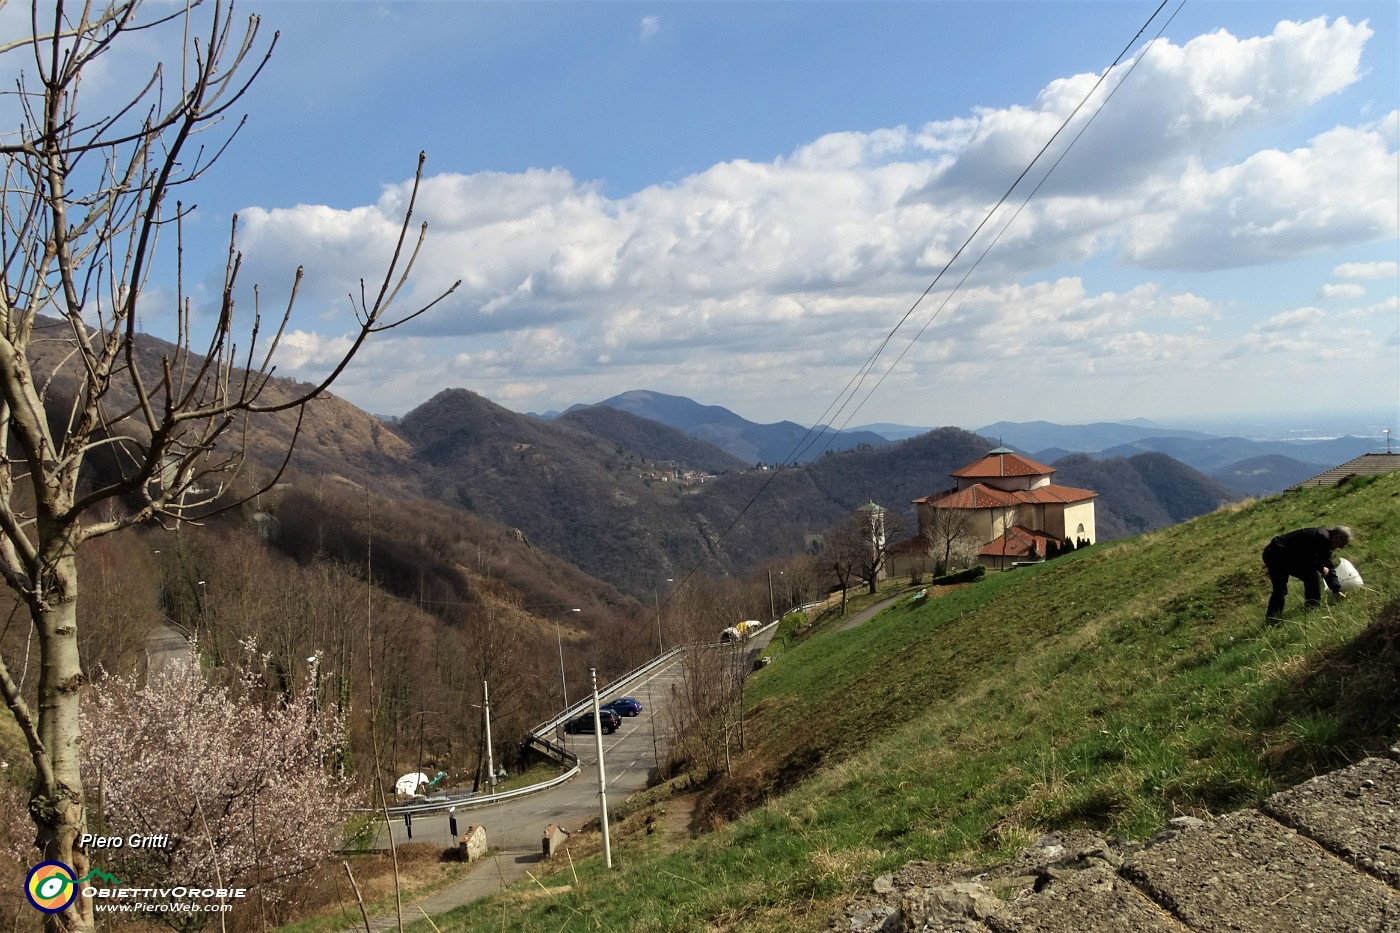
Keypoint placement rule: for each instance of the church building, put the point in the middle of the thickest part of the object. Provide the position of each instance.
(1006, 507)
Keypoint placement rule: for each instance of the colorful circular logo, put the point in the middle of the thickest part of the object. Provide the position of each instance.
(50, 887)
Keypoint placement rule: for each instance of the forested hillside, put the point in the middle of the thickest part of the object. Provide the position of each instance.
(1142, 492)
(582, 495)
(577, 487)
(432, 600)
(651, 441)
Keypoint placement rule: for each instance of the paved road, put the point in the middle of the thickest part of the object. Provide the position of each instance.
(629, 755)
(514, 828)
(164, 644)
(870, 612)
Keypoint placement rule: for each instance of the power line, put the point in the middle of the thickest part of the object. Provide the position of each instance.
(822, 429)
(1017, 213)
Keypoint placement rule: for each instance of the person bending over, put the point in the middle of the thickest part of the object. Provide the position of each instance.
(1307, 555)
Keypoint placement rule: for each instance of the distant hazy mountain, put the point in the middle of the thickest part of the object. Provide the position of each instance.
(578, 486)
(894, 432)
(651, 440)
(1082, 438)
(570, 491)
(1214, 454)
(1266, 475)
(1246, 467)
(784, 442)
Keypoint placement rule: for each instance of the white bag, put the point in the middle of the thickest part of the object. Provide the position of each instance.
(1346, 576)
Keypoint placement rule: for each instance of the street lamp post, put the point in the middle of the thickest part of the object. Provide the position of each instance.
(313, 663)
(660, 648)
(559, 637)
(200, 592)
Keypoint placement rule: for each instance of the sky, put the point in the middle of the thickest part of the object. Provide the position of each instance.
(744, 202)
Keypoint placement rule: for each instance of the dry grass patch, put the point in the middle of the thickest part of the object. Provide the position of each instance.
(326, 901)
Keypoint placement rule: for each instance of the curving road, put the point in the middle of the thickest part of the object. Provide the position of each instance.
(514, 828)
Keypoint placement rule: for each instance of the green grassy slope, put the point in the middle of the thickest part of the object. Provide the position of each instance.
(1113, 688)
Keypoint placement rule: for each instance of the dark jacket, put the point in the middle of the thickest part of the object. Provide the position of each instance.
(1307, 550)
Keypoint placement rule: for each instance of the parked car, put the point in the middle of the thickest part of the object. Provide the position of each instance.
(608, 719)
(624, 706)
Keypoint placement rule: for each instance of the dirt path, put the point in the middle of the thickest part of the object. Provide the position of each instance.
(680, 810)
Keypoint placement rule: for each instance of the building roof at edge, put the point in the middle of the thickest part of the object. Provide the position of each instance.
(1364, 465)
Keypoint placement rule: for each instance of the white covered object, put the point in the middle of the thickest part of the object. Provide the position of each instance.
(1347, 577)
(408, 784)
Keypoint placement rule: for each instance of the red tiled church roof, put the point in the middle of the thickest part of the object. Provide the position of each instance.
(1002, 462)
(976, 496)
(1017, 542)
(980, 496)
(1054, 493)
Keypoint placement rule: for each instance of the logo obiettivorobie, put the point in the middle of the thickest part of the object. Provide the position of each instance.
(50, 887)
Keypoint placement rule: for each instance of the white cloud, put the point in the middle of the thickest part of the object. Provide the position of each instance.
(1180, 104)
(1334, 291)
(812, 257)
(1383, 310)
(1339, 191)
(302, 354)
(1367, 270)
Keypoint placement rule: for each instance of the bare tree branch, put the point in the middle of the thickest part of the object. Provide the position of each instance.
(84, 203)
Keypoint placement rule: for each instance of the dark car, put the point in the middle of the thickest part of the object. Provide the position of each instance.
(608, 719)
(624, 706)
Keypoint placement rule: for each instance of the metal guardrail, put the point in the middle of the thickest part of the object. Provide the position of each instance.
(616, 685)
(537, 737)
(480, 800)
(553, 750)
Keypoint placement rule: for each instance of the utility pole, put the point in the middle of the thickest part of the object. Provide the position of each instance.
(490, 756)
(651, 714)
(602, 779)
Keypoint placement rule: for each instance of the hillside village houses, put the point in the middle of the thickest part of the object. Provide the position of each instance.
(1003, 511)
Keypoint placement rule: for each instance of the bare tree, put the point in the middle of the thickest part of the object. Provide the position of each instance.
(707, 707)
(798, 581)
(946, 532)
(87, 195)
(859, 547)
(843, 548)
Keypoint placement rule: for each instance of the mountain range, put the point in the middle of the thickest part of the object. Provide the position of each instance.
(599, 485)
(647, 487)
(779, 443)
(1246, 467)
